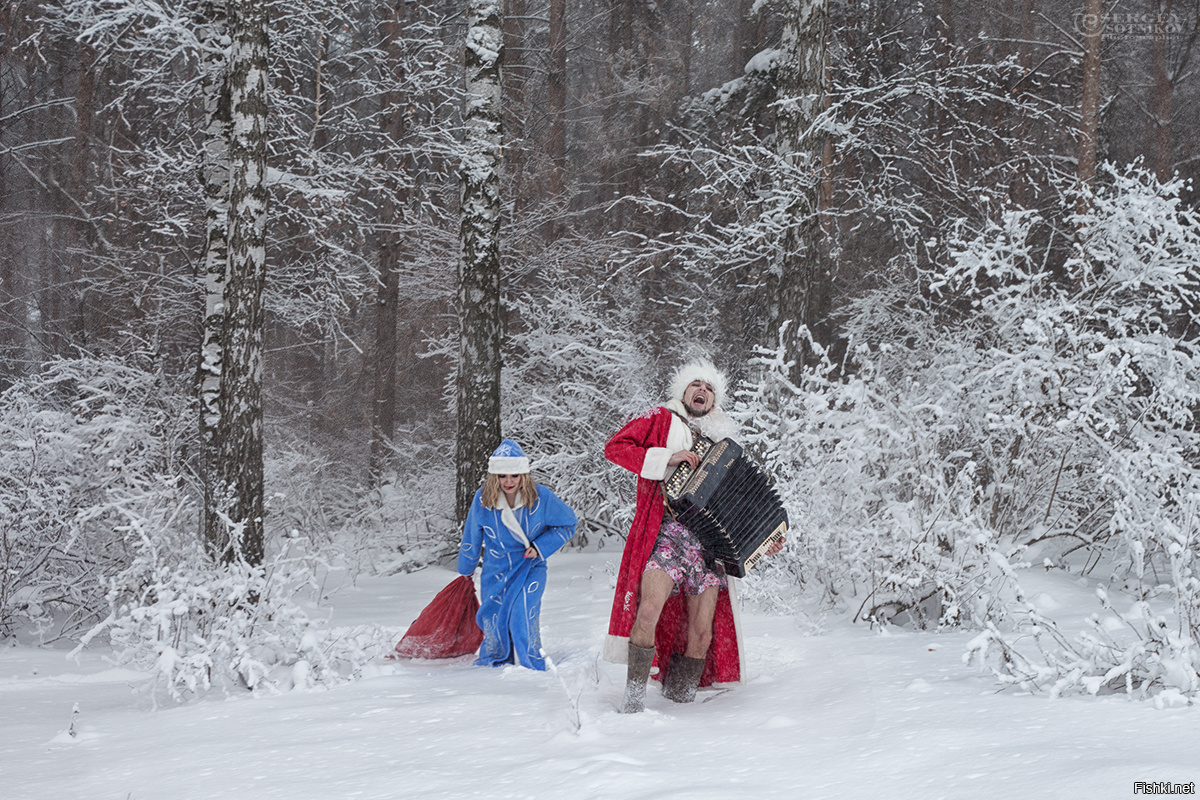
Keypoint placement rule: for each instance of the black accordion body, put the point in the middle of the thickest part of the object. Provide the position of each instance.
(728, 503)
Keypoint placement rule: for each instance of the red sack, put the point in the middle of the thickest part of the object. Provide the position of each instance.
(446, 628)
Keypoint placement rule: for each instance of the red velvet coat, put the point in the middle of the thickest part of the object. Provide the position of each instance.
(628, 448)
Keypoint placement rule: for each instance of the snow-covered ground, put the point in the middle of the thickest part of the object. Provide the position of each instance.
(848, 713)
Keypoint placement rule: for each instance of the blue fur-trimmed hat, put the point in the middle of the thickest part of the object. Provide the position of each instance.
(508, 459)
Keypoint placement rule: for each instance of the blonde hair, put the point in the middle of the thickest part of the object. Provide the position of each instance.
(491, 491)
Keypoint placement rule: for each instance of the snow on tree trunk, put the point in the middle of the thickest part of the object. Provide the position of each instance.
(215, 186)
(801, 90)
(478, 387)
(239, 493)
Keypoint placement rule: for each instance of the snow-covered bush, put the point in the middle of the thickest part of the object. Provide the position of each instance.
(404, 523)
(1140, 651)
(196, 626)
(95, 520)
(1012, 407)
(887, 517)
(1145, 650)
(87, 447)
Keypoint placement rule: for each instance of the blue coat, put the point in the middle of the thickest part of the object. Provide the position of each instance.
(511, 586)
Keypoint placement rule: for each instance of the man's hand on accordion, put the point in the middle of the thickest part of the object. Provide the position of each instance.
(679, 456)
(775, 548)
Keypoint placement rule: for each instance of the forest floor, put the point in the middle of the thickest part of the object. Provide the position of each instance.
(845, 713)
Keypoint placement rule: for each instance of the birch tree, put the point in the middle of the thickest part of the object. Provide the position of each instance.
(239, 492)
(214, 180)
(478, 381)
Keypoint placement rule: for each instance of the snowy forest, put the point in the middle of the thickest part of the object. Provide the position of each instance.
(276, 276)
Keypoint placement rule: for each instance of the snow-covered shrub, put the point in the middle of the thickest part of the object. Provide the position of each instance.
(404, 521)
(95, 519)
(1009, 408)
(195, 625)
(1141, 652)
(407, 521)
(887, 518)
(1145, 651)
(87, 447)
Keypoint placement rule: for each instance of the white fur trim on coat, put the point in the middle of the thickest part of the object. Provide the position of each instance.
(654, 466)
(616, 649)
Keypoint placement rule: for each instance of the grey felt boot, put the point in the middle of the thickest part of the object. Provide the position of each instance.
(639, 661)
(683, 678)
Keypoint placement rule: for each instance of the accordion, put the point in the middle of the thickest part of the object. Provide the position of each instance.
(728, 503)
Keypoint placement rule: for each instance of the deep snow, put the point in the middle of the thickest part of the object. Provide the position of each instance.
(846, 713)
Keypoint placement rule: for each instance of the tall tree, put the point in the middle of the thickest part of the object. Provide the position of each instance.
(387, 299)
(478, 383)
(556, 96)
(801, 92)
(1089, 104)
(1163, 93)
(239, 495)
(214, 180)
(515, 102)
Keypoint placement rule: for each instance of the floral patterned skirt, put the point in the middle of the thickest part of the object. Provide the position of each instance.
(677, 552)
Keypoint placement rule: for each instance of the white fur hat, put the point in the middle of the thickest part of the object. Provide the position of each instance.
(699, 369)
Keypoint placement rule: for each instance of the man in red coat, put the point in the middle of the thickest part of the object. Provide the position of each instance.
(670, 609)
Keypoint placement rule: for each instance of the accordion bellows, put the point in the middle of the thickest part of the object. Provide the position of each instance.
(729, 503)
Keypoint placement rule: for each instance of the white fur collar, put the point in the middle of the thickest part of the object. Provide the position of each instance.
(510, 519)
(716, 425)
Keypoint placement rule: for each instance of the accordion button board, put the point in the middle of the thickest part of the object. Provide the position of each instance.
(728, 503)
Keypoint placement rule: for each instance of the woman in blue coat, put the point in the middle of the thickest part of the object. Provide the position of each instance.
(518, 525)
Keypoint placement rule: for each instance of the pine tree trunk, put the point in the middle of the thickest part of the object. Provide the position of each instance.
(387, 299)
(85, 114)
(215, 186)
(748, 35)
(801, 91)
(240, 456)
(478, 387)
(556, 97)
(1163, 91)
(1024, 191)
(522, 182)
(8, 293)
(1089, 106)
